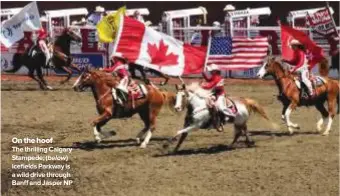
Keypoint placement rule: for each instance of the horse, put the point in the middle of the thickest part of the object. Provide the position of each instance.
(61, 58)
(148, 106)
(193, 97)
(133, 67)
(290, 95)
(34, 59)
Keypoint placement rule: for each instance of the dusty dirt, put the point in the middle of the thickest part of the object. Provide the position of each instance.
(305, 163)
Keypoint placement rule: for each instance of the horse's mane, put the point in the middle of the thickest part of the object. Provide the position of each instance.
(105, 77)
(198, 90)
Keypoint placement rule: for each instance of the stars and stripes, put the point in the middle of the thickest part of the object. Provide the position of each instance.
(237, 53)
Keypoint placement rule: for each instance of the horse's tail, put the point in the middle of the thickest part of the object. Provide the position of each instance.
(323, 68)
(16, 61)
(255, 107)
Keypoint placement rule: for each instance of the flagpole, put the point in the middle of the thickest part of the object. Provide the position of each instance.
(208, 52)
(330, 14)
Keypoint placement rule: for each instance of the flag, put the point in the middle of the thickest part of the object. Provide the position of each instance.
(147, 47)
(28, 19)
(314, 52)
(107, 27)
(237, 53)
(322, 23)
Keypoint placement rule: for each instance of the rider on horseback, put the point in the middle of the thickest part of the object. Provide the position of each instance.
(215, 83)
(41, 43)
(121, 68)
(301, 64)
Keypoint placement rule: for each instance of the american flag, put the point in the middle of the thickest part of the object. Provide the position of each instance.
(237, 53)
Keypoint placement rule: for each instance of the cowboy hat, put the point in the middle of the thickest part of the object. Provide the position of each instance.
(294, 42)
(118, 55)
(99, 9)
(212, 67)
(148, 23)
(229, 7)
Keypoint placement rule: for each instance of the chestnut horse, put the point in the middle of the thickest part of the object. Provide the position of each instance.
(147, 107)
(290, 95)
(61, 58)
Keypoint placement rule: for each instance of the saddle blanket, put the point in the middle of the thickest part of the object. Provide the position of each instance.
(316, 81)
(137, 91)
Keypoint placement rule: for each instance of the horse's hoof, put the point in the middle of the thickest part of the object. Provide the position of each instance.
(325, 133)
(166, 145)
(138, 140)
(143, 145)
(250, 144)
(49, 88)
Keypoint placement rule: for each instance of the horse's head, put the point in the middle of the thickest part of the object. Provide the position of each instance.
(181, 95)
(72, 35)
(85, 80)
(268, 68)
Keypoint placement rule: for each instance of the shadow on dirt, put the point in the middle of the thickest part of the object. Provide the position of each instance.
(210, 150)
(281, 134)
(92, 145)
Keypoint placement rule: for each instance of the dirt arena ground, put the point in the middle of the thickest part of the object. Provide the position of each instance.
(305, 163)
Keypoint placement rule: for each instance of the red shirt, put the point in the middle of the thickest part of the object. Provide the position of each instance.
(298, 59)
(118, 67)
(215, 82)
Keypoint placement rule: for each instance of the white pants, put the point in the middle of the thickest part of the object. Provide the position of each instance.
(123, 84)
(304, 75)
(45, 50)
(222, 106)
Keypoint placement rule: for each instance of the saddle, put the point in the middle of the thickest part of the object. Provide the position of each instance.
(316, 82)
(135, 92)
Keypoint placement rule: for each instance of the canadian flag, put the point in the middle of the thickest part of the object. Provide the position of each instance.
(147, 47)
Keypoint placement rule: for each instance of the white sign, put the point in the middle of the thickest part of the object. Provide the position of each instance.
(28, 19)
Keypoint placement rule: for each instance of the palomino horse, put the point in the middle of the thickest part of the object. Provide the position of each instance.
(198, 116)
(148, 106)
(61, 58)
(290, 95)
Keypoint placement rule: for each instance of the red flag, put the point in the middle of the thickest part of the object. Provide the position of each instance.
(314, 52)
(147, 47)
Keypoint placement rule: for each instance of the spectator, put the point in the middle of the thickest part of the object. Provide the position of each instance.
(138, 16)
(94, 17)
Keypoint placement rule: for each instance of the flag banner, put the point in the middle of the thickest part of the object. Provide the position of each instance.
(237, 53)
(322, 23)
(314, 52)
(28, 19)
(147, 47)
(107, 27)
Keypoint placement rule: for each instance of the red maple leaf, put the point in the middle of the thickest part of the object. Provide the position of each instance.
(159, 56)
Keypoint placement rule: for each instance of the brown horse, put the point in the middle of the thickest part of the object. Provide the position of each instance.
(290, 95)
(148, 107)
(61, 58)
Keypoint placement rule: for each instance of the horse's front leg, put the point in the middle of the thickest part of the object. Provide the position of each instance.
(97, 123)
(182, 132)
(69, 74)
(289, 123)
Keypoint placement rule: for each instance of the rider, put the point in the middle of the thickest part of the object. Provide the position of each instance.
(301, 64)
(41, 43)
(121, 68)
(215, 83)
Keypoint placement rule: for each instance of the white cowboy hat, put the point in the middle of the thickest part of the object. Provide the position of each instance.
(294, 42)
(99, 9)
(212, 67)
(229, 7)
(216, 24)
(148, 23)
(118, 54)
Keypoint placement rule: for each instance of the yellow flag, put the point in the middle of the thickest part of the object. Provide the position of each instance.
(109, 25)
